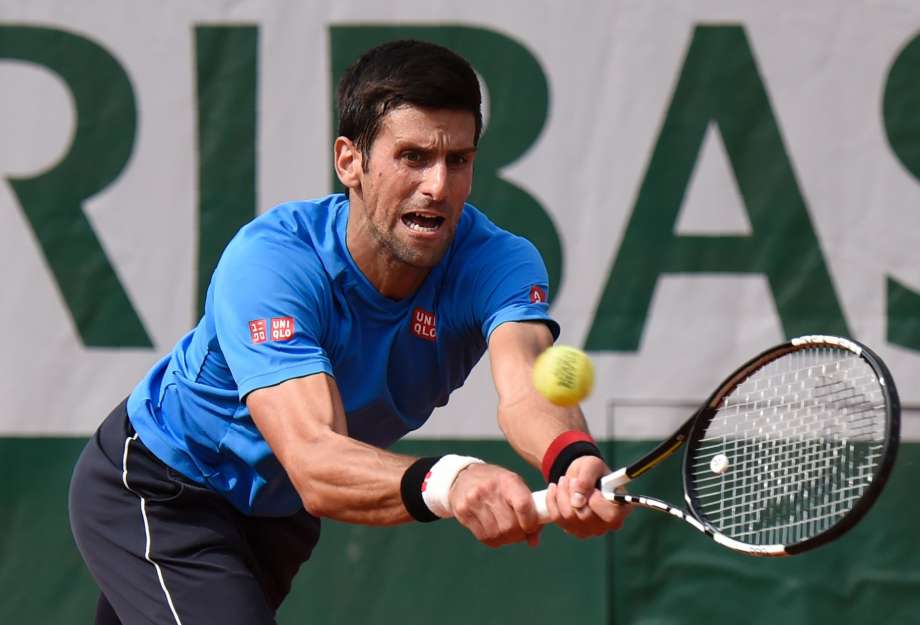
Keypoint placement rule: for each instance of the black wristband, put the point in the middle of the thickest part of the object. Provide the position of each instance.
(410, 488)
(569, 454)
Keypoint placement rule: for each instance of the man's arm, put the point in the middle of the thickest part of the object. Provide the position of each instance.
(531, 423)
(303, 421)
(338, 477)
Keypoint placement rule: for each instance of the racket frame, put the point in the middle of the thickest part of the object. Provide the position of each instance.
(889, 452)
(611, 485)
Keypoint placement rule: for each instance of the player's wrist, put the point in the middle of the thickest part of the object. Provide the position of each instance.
(564, 450)
(436, 488)
(425, 486)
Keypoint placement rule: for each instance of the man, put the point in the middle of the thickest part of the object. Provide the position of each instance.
(331, 329)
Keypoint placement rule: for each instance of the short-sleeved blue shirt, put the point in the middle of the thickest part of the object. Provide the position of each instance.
(287, 300)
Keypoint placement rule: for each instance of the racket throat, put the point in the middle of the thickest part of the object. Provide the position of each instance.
(612, 482)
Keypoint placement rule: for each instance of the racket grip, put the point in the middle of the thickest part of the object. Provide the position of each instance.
(610, 485)
(539, 502)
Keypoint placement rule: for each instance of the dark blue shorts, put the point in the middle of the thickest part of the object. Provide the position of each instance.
(165, 549)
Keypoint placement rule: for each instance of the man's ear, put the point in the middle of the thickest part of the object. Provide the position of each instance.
(348, 163)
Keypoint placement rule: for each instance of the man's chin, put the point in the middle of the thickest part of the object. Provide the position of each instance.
(420, 255)
(422, 258)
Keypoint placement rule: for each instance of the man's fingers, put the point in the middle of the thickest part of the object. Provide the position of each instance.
(525, 514)
(490, 527)
(470, 520)
(610, 512)
(533, 540)
(527, 518)
(496, 506)
(580, 489)
(573, 497)
(525, 511)
(597, 517)
(564, 498)
(583, 478)
(551, 505)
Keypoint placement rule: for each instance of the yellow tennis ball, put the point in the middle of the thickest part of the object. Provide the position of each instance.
(564, 375)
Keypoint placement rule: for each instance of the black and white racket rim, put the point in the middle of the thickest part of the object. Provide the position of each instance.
(794, 448)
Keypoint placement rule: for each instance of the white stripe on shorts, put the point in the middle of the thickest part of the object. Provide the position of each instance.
(124, 479)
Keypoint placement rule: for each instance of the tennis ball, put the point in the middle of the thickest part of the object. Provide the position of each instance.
(564, 375)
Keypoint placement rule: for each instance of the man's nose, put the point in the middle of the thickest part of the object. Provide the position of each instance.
(434, 185)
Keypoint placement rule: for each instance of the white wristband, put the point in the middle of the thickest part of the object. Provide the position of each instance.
(437, 483)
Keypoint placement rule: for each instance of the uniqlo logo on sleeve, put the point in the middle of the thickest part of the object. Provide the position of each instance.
(537, 295)
(424, 325)
(257, 331)
(282, 328)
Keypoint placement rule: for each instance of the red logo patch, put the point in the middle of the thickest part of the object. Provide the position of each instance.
(282, 328)
(537, 295)
(424, 325)
(257, 330)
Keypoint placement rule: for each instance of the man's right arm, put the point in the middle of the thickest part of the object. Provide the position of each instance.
(303, 421)
(338, 477)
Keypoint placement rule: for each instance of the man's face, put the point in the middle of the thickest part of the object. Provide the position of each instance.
(418, 176)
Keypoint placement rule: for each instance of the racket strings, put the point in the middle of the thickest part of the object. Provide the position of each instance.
(822, 512)
(803, 438)
(797, 436)
(740, 496)
(811, 461)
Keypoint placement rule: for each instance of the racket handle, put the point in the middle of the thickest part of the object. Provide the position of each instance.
(609, 485)
(539, 502)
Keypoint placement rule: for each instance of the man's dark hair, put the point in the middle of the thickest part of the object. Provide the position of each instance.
(398, 73)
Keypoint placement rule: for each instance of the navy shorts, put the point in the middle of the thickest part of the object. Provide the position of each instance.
(165, 549)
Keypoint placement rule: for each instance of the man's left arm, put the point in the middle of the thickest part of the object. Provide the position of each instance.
(531, 424)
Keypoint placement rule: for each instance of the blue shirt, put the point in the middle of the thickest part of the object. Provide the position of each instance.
(287, 300)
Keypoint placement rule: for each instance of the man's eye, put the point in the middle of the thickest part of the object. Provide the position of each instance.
(412, 156)
(458, 160)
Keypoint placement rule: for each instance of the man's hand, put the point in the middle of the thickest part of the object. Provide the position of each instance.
(495, 505)
(577, 506)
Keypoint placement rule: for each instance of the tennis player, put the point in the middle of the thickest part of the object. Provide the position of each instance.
(332, 328)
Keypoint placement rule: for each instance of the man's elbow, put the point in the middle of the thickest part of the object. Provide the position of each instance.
(314, 500)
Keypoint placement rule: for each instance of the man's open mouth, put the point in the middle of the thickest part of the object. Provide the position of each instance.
(422, 223)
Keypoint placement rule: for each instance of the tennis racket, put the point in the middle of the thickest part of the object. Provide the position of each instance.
(786, 455)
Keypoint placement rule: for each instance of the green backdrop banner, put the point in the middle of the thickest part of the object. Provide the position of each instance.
(703, 181)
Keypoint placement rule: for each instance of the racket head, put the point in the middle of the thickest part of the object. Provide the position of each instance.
(794, 447)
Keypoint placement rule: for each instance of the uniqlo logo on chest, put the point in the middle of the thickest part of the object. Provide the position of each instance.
(282, 328)
(424, 325)
(257, 331)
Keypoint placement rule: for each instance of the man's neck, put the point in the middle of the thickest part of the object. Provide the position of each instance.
(393, 278)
